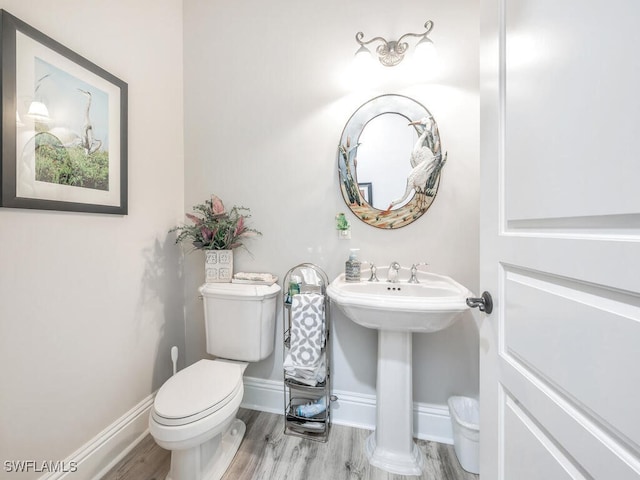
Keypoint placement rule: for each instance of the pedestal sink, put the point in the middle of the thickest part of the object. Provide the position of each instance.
(397, 310)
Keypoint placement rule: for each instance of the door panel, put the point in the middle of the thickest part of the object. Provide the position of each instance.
(541, 459)
(581, 340)
(590, 448)
(560, 240)
(568, 75)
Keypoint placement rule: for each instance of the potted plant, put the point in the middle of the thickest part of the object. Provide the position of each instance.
(217, 232)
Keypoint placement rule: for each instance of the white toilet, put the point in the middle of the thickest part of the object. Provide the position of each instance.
(194, 412)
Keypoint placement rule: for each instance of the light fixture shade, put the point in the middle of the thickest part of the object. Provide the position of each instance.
(363, 65)
(363, 56)
(38, 111)
(360, 72)
(426, 52)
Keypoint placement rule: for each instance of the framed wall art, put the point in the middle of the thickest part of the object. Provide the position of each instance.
(366, 191)
(64, 127)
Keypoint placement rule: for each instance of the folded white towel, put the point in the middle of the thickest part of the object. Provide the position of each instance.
(306, 375)
(254, 278)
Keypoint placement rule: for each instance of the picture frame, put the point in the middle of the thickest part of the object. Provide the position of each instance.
(366, 191)
(64, 126)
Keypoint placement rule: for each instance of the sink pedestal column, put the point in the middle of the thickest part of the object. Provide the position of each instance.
(391, 446)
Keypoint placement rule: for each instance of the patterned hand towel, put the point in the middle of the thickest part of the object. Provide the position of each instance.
(305, 361)
(307, 330)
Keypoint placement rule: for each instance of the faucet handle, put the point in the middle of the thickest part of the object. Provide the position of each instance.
(373, 277)
(414, 272)
(374, 269)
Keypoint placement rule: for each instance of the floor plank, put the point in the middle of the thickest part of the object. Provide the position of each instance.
(267, 454)
(147, 461)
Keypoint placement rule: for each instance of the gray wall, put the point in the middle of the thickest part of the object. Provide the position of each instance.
(267, 94)
(90, 304)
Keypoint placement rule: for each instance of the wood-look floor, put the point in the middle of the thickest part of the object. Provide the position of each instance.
(267, 454)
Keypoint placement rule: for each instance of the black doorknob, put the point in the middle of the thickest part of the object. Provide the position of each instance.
(484, 303)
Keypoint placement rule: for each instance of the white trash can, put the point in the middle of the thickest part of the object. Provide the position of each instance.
(465, 418)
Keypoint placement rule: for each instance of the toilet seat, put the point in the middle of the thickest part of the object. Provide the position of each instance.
(197, 392)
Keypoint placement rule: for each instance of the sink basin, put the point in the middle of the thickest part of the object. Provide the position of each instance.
(397, 310)
(431, 305)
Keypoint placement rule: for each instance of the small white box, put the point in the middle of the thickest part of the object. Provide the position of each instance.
(465, 418)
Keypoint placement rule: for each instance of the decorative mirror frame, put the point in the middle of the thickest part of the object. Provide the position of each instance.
(347, 152)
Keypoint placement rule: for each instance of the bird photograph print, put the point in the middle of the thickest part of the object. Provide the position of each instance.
(71, 119)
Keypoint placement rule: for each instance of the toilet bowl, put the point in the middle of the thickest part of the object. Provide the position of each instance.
(194, 412)
(194, 417)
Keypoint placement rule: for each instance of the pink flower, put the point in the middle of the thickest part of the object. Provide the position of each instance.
(194, 219)
(239, 227)
(216, 205)
(207, 235)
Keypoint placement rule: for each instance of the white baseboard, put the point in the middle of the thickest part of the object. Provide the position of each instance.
(263, 395)
(94, 459)
(430, 422)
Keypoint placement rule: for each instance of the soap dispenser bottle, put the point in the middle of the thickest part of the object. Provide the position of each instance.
(352, 267)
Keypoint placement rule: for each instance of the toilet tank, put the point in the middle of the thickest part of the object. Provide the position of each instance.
(240, 320)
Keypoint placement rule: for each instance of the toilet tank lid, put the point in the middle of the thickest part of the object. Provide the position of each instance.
(239, 290)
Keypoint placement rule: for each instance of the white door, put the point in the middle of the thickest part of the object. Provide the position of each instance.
(560, 239)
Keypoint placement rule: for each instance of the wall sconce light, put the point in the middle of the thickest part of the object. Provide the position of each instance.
(391, 52)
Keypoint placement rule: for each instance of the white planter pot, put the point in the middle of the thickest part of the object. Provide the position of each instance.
(218, 266)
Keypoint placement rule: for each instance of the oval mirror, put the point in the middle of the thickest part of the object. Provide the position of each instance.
(389, 161)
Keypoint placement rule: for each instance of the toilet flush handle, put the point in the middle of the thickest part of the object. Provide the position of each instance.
(174, 358)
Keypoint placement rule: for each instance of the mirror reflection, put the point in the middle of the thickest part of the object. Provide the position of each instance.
(385, 145)
(390, 161)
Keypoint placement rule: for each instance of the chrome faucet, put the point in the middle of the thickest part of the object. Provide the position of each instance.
(373, 277)
(414, 272)
(392, 274)
(373, 270)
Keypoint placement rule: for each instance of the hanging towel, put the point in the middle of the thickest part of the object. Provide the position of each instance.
(307, 329)
(304, 361)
